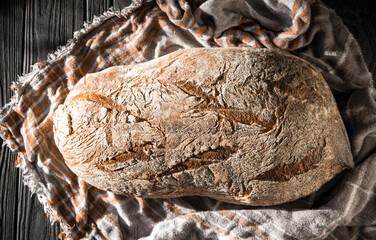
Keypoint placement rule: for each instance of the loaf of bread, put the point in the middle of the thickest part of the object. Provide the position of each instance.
(245, 126)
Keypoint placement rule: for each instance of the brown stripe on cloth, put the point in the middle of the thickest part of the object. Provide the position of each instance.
(198, 220)
(147, 210)
(245, 224)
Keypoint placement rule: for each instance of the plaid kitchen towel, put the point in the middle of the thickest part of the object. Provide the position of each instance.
(343, 208)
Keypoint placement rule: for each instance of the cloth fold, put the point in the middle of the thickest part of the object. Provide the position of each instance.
(149, 29)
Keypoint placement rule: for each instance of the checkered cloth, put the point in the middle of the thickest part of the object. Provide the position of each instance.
(343, 208)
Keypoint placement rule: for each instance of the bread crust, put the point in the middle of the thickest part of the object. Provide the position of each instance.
(255, 127)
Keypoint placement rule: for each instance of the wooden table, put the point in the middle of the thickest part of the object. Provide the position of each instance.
(30, 29)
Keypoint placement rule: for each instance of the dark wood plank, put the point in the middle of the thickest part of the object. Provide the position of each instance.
(119, 4)
(48, 25)
(96, 7)
(11, 14)
(9, 180)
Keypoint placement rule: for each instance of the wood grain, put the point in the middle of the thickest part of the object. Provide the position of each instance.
(30, 29)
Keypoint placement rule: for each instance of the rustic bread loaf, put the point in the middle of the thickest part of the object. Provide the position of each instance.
(245, 126)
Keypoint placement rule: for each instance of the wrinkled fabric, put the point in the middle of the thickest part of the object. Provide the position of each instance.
(344, 207)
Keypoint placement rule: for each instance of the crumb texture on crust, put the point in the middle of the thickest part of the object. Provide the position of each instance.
(246, 126)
